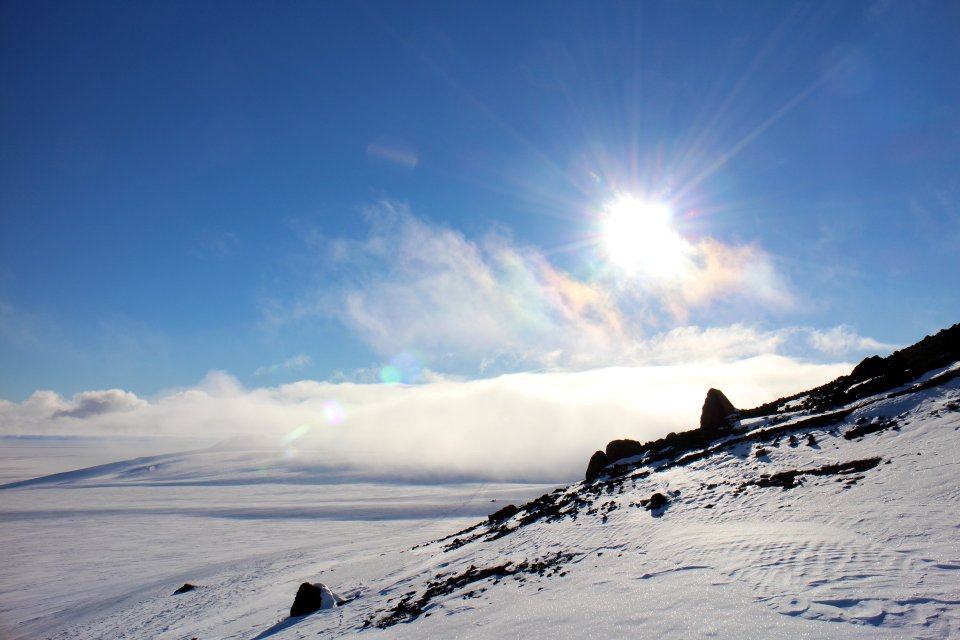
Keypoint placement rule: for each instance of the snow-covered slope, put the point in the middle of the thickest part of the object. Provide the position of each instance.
(830, 514)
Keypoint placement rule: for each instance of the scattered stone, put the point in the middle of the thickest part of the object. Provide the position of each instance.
(793, 441)
(790, 479)
(811, 441)
(410, 608)
(313, 597)
(186, 587)
(760, 453)
(879, 423)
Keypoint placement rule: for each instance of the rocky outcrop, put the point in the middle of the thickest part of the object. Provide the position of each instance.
(620, 449)
(616, 450)
(716, 417)
(598, 461)
(502, 514)
(313, 597)
(876, 375)
(717, 413)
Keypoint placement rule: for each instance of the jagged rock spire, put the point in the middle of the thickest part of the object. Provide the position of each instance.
(717, 411)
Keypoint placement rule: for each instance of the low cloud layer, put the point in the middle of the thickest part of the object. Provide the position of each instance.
(87, 404)
(533, 427)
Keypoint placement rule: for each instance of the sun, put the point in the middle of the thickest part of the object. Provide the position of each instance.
(639, 238)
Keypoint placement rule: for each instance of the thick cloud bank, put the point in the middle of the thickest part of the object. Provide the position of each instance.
(526, 426)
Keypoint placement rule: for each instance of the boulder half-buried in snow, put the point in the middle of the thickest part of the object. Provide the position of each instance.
(313, 597)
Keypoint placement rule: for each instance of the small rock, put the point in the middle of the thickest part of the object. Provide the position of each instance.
(186, 587)
(656, 501)
(811, 441)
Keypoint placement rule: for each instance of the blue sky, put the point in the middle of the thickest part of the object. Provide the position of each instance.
(314, 190)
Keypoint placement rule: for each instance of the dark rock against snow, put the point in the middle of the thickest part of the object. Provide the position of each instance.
(620, 449)
(870, 367)
(502, 514)
(313, 597)
(717, 412)
(598, 461)
(877, 375)
(186, 587)
(654, 502)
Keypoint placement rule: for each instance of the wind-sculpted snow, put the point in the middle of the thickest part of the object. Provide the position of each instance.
(826, 521)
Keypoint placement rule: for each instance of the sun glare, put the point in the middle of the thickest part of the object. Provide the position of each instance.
(640, 239)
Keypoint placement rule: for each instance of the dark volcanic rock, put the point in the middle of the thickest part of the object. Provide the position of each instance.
(877, 375)
(507, 512)
(870, 367)
(413, 604)
(598, 461)
(312, 597)
(186, 587)
(620, 449)
(792, 478)
(654, 502)
(717, 411)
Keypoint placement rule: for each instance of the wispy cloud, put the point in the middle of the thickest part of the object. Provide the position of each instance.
(295, 363)
(493, 305)
(215, 244)
(842, 340)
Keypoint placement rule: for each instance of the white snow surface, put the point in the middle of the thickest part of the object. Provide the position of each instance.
(97, 553)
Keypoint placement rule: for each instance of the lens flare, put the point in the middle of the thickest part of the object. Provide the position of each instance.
(286, 442)
(404, 368)
(294, 435)
(333, 412)
(390, 375)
